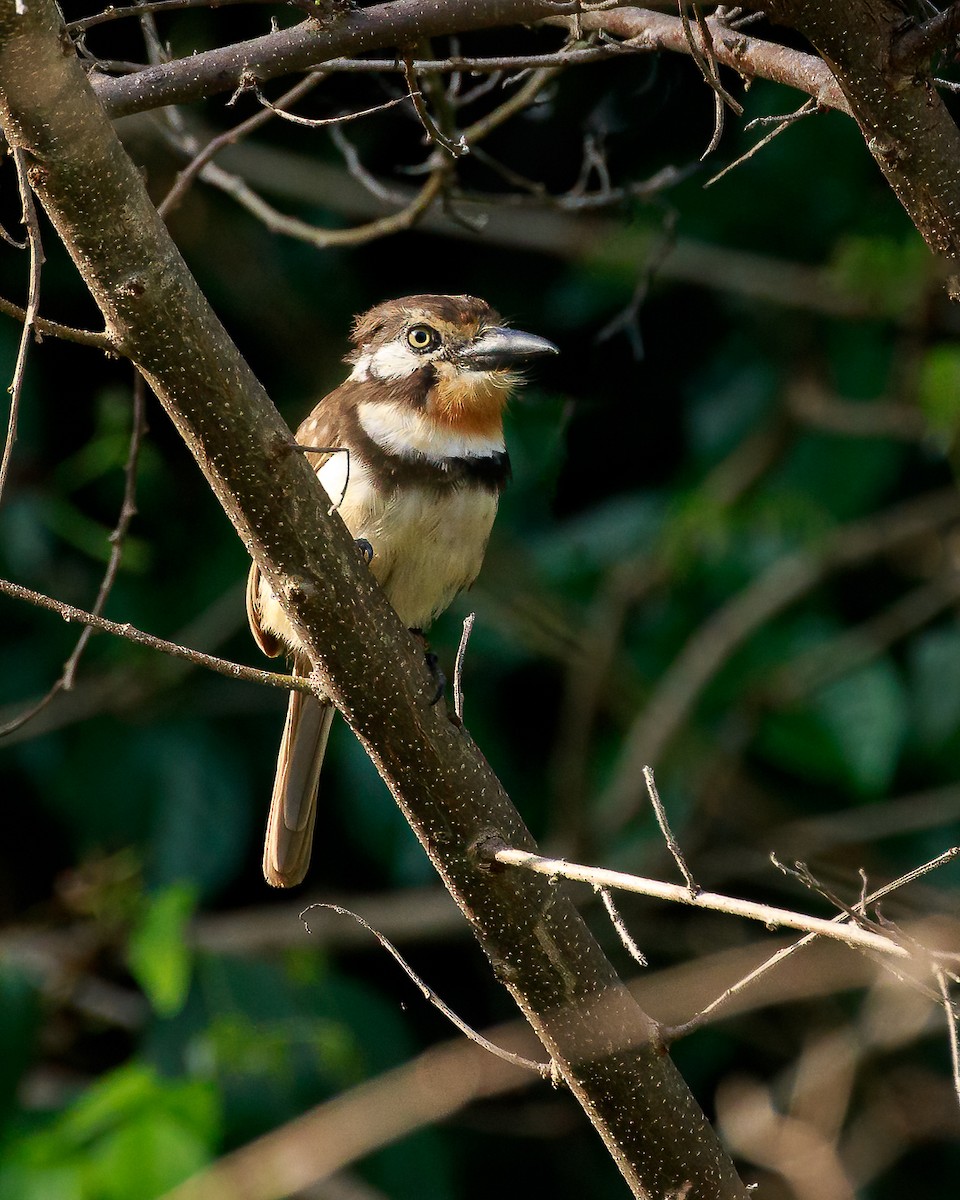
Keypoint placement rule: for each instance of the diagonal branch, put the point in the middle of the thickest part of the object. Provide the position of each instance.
(604, 1046)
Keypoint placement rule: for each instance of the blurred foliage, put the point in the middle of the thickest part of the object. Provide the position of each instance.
(661, 469)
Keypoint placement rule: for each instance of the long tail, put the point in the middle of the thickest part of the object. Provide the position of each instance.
(293, 806)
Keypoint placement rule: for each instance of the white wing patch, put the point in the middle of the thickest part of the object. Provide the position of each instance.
(405, 432)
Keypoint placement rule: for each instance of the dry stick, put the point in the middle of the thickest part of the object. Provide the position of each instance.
(606, 1047)
(148, 6)
(766, 914)
(409, 215)
(44, 328)
(620, 925)
(700, 1018)
(454, 147)
(672, 844)
(128, 510)
(950, 1012)
(710, 646)
(808, 108)
(222, 666)
(33, 301)
(468, 621)
(544, 1070)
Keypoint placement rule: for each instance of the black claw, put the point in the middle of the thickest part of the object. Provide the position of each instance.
(433, 666)
(366, 550)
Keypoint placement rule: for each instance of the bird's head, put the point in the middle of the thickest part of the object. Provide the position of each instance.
(448, 358)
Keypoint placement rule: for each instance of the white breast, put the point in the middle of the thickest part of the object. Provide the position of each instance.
(428, 543)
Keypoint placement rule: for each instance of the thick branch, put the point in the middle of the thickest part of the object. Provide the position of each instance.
(607, 1050)
(906, 125)
(747, 55)
(310, 44)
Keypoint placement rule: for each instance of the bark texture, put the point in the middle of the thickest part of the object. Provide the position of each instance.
(604, 1046)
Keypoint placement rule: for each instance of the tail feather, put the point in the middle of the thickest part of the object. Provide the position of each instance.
(293, 806)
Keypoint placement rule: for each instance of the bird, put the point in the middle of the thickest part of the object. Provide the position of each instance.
(410, 449)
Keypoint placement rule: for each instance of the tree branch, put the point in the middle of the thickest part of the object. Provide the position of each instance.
(605, 1047)
(746, 55)
(309, 45)
(907, 128)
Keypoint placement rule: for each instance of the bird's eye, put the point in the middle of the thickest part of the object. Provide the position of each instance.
(422, 338)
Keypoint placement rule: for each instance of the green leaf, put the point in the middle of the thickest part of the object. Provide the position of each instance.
(866, 716)
(939, 388)
(158, 955)
(935, 684)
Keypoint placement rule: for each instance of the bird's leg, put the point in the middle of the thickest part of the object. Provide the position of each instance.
(433, 666)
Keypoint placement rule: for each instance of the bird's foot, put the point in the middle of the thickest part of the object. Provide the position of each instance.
(365, 549)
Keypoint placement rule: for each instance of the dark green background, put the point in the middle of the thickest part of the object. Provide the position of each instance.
(137, 802)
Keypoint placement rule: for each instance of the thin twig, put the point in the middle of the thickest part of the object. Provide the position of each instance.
(203, 156)
(148, 6)
(15, 389)
(222, 666)
(325, 122)
(950, 1012)
(116, 538)
(544, 1070)
(672, 844)
(617, 921)
(468, 621)
(766, 914)
(99, 340)
(805, 110)
(454, 147)
(787, 951)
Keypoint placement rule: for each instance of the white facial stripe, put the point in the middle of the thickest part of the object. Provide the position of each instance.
(406, 432)
(395, 360)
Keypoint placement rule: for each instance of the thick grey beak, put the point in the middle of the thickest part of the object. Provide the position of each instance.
(498, 349)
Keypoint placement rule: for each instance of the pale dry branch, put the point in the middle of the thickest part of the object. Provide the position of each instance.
(662, 821)
(459, 664)
(788, 951)
(772, 917)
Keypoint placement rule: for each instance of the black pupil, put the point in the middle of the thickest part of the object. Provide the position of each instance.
(421, 337)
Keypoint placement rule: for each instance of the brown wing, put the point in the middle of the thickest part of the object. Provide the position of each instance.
(320, 429)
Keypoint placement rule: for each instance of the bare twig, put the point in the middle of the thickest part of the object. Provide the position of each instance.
(766, 914)
(148, 6)
(672, 844)
(221, 666)
(454, 147)
(544, 1070)
(617, 921)
(787, 951)
(44, 328)
(950, 1011)
(128, 510)
(468, 621)
(15, 389)
(805, 110)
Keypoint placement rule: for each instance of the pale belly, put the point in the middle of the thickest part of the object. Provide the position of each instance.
(428, 544)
